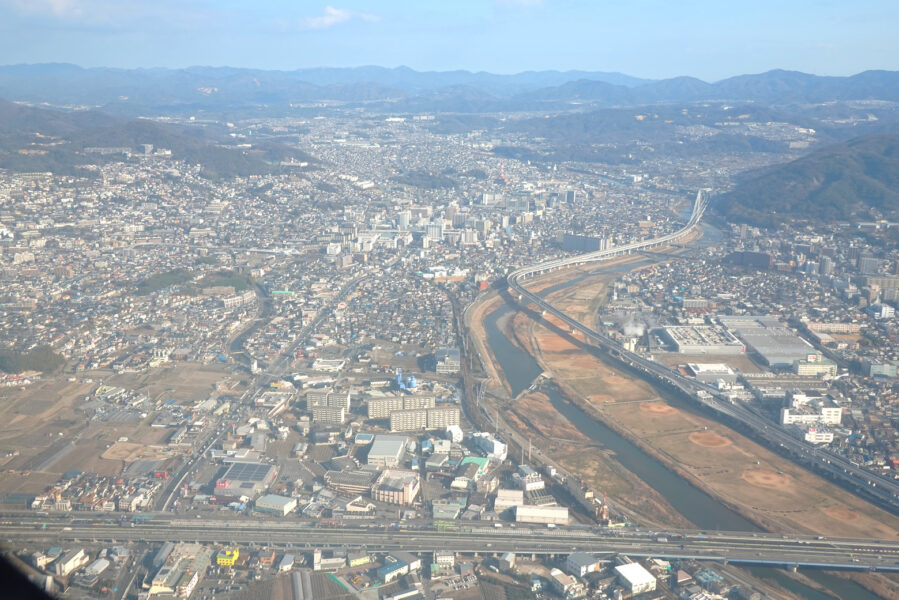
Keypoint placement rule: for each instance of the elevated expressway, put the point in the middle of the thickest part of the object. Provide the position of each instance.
(879, 489)
(744, 548)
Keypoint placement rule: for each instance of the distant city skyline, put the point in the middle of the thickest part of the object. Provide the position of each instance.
(650, 39)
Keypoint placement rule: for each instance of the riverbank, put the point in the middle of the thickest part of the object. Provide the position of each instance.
(766, 488)
(636, 409)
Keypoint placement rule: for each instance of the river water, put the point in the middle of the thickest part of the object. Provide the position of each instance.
(520, 370)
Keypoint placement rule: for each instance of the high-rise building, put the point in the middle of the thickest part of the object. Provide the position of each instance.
(328, 415)
(439, 417)
(404, 219)
(868, 265)
(825, 265)
(435, 231)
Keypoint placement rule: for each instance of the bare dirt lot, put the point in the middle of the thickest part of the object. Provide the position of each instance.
(42, 422)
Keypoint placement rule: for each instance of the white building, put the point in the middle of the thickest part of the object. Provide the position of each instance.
(506, 499)
(581, 563)
(274, 504)
(814, 434)
(556, 515)
(528, 479)
(70, 561)
(635, 578)
(387, 450)
(808, 410)
(490, 445)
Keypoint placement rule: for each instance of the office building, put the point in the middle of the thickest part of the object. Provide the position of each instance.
(396, 487)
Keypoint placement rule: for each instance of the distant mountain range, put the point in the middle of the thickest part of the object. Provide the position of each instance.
(853, 180)
(403, 89)
(37, 139)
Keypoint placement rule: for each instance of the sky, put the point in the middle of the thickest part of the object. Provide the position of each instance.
(644, 38)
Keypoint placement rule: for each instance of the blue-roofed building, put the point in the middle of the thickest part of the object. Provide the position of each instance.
(707, 578)
(392, 571)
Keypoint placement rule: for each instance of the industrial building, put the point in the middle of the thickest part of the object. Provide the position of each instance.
(556, 515)
(703, 339)
(711, 372)
(506, 499)
(276, 505)
(448, 360)
(815, 368)
(774, 343)
(528, 479)
(351, 483)
(396, 487)
(581, 563)
(246, 479)
(91, 574)
(635, 578)
(387, 450)
(490, 445)
(70, 561)
(810, 410)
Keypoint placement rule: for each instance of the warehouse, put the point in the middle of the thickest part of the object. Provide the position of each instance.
(387, 450)
(635, 578)
(557, 515)
(774, 343)
(352, 483)
(703, 339)
(276, 505)
(246, 479)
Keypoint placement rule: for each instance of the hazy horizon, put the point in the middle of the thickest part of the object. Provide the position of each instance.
(401, 66)
(652, 40)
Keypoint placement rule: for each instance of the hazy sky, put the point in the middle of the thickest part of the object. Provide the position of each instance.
(646, 38)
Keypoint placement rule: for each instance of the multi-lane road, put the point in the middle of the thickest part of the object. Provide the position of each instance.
(760, 548)
(883, 490)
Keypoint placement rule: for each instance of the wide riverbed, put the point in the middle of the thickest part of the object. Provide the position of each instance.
(520, 370)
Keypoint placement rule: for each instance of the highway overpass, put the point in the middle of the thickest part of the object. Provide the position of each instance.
(473, 538)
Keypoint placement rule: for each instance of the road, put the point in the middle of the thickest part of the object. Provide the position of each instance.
(761, 548)
(882, 490)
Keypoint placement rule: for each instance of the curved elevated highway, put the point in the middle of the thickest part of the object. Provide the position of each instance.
(881, 490)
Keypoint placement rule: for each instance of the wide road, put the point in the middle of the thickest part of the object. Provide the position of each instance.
(707, 546)
(882, 490)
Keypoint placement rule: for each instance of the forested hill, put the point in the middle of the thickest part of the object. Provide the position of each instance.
(853, 180)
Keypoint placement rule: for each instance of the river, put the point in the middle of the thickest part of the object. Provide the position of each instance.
(520, 370)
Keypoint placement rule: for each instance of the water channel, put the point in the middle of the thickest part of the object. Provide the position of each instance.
(520, 370)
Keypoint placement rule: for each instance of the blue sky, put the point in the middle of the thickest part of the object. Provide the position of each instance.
(645, 38)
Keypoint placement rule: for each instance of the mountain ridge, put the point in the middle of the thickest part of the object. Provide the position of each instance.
(403, 89)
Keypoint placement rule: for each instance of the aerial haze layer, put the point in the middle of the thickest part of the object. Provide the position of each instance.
(496, 299)
(652, 39)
